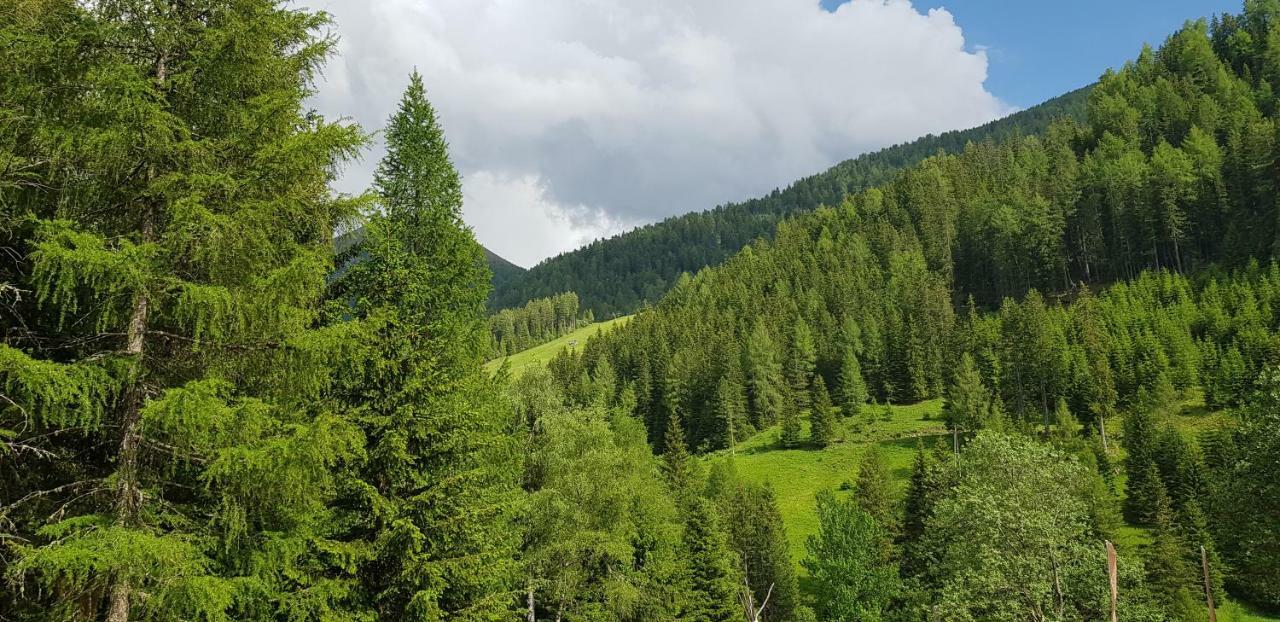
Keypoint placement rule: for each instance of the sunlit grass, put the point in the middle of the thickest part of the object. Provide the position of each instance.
(541, 354)
(797, 475)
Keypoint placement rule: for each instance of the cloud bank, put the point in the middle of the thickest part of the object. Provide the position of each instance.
(574, 119)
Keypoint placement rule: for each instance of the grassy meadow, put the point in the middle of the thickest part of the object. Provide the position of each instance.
(541, 354)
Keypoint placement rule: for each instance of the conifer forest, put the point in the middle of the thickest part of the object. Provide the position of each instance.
(1024, 372)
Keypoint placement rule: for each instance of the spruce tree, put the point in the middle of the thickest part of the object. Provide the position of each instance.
(765, 383)
(758, 535)
(791, 428)
(853, 388)
(873, 490)
(440, 481)
(921, 495)
(171, 385)
(968, 406)
(801, 361)
(715, 574)
(677, 464)
(1142, 475)
(730, 413)
(822, 419)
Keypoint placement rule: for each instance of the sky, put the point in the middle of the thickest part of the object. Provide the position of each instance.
(571, 120)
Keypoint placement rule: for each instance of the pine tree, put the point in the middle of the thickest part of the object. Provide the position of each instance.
(439, 482)
(801, 361)
(822, 419)
(853, 388)
(730, 413)
(1065, 425)
(176, 241)
(1169, 571)
(790, 437)
(968, 405)
(765, 384)
(1140, 468)
(873, 490)
(758, 535)
(714, 568)
(677, 464)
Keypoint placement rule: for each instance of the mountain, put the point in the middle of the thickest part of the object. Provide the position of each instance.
(615, 276)
(503, 271)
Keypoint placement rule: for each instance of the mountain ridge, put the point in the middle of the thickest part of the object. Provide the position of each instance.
(615, 276)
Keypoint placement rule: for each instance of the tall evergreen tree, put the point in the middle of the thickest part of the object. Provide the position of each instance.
(677, 464)
(714, 567)
(873, 490)
(1142, 476)
(176, 237)
(758, 535)
(822, 418)
(802, 357)
(853, 387)
(765, 383)
(440, 479)
(968, 407)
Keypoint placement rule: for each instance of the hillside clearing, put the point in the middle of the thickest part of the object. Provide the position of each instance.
(541, 354)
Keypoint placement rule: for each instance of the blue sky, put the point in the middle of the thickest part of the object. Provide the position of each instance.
(1040, 48)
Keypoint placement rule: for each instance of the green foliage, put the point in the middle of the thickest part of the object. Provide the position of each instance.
(758, 535)
(873, 491)
(852, 578)
(603, 537)
(822, 418)
(433, 500)
(969, 407)
(167, 223)
(537, 322)
(715, 569)
(1011, 539)
(853, 388)
(1248, 514)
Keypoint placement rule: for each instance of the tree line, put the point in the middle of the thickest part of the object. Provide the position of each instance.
(618, 275)
(537, 322)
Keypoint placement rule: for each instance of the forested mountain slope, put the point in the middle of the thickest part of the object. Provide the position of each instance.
(976, 276)
(614, 276)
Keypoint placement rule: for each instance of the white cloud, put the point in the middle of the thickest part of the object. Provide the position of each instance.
(572, 119)
(515, 214)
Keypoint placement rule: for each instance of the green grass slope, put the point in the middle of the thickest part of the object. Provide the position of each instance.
(541, 354)
(797, 475)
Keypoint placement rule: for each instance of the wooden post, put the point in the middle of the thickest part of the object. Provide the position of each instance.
(1208, 585)
(1111, 574)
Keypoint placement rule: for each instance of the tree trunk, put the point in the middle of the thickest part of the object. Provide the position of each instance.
(128, 495)
(531, 616)
(1208, 585)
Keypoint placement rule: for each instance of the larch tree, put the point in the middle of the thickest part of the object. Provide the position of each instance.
(172, 389)
(440, 480)
(765, 383)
